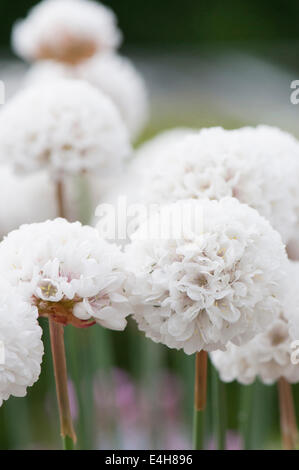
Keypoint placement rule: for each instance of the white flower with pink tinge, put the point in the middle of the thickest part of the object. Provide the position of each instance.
(66, 31)
(69, 272)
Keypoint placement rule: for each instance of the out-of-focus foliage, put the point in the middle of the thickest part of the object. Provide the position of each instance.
(173, 22)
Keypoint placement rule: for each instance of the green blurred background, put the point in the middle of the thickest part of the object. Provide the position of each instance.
(206, 63)
(173, 22)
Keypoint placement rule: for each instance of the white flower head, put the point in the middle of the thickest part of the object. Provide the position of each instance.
(66, 31)
(259, 166)
(218, 283)
(66, 127)
(68, 272)
(114, 75)
(267, 356)
(21, 344)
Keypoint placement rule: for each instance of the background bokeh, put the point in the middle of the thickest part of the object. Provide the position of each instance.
(157, 23)
(205, 63)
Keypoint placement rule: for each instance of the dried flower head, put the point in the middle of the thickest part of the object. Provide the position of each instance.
(71, 128)
(66, 31)
(68, 272)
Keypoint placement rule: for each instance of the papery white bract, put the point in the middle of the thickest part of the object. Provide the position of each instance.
(69, 271)
(66, 127)
(222, 283)
(20, 336)
(66, 31)
(116, 76)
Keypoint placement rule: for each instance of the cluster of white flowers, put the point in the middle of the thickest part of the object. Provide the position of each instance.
(259, 166)
(72, 128)
(267, 356)
(66, 31)
(219, 282)
(67, 271)
(114, 75)
(215, 281)
(20, 336)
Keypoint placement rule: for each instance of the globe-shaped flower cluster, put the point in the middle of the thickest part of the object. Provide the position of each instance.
(220, 281)
(73, 128)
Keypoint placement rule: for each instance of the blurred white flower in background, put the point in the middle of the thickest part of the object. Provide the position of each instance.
(146, 155)
(20, 335)
(114, 75)
(68, 272)
(68, 127)
(66, 31)
(153, 150)
(32, 198)
(212, 286)
(29, 198)
(259, 166)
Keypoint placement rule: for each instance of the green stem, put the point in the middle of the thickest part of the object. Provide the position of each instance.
(218, 410)
(198, 429)
(247, 395)
(60, 373)
(68, 443)
(200, 399)
(84, 199)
